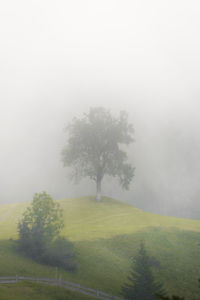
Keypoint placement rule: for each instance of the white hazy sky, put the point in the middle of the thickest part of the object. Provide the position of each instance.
(58, 58)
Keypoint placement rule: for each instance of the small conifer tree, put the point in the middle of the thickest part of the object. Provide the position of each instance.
(141, 284)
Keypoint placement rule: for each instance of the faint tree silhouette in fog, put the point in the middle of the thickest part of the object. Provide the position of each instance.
(94, 147)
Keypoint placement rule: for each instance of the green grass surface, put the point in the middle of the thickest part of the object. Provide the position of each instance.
(37, 291)
(106, 236)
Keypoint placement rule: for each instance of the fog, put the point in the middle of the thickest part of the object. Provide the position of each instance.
(59, 58)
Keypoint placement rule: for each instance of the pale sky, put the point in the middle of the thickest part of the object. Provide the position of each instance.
(58, 58)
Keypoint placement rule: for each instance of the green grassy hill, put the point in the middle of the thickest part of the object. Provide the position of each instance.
(106, 236)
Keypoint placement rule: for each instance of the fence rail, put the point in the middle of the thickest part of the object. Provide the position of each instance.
(62, 283)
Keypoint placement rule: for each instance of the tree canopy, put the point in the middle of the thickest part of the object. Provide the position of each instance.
(41, 222)
(141, 284)
(39, 231)
(94, 147)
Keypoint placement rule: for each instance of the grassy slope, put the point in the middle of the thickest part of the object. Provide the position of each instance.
(35, 291)
(106, 236)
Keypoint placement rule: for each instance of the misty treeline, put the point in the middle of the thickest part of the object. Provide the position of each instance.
(94, 147)
(39, 234)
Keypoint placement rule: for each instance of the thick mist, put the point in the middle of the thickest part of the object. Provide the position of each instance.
(59, 58)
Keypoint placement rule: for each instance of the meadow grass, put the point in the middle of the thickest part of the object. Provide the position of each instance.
(106, 237)
(36, 291)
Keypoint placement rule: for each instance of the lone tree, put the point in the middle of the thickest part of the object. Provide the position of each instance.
(93, 149)
(141, 284)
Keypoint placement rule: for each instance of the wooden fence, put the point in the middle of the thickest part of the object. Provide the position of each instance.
(62, 283)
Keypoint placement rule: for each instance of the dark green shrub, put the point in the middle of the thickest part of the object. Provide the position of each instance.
(39, 234)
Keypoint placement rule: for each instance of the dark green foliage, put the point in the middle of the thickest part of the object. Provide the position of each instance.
(141, 284)
(60, 254)
(93, 148)
(39, 233)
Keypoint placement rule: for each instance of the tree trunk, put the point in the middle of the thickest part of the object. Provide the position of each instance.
(98, 191)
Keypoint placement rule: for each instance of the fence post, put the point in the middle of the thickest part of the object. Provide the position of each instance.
(16, 278)
(97, 293)
(56, 273)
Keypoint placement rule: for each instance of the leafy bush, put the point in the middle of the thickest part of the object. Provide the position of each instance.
(39, 234)
(60, 254)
